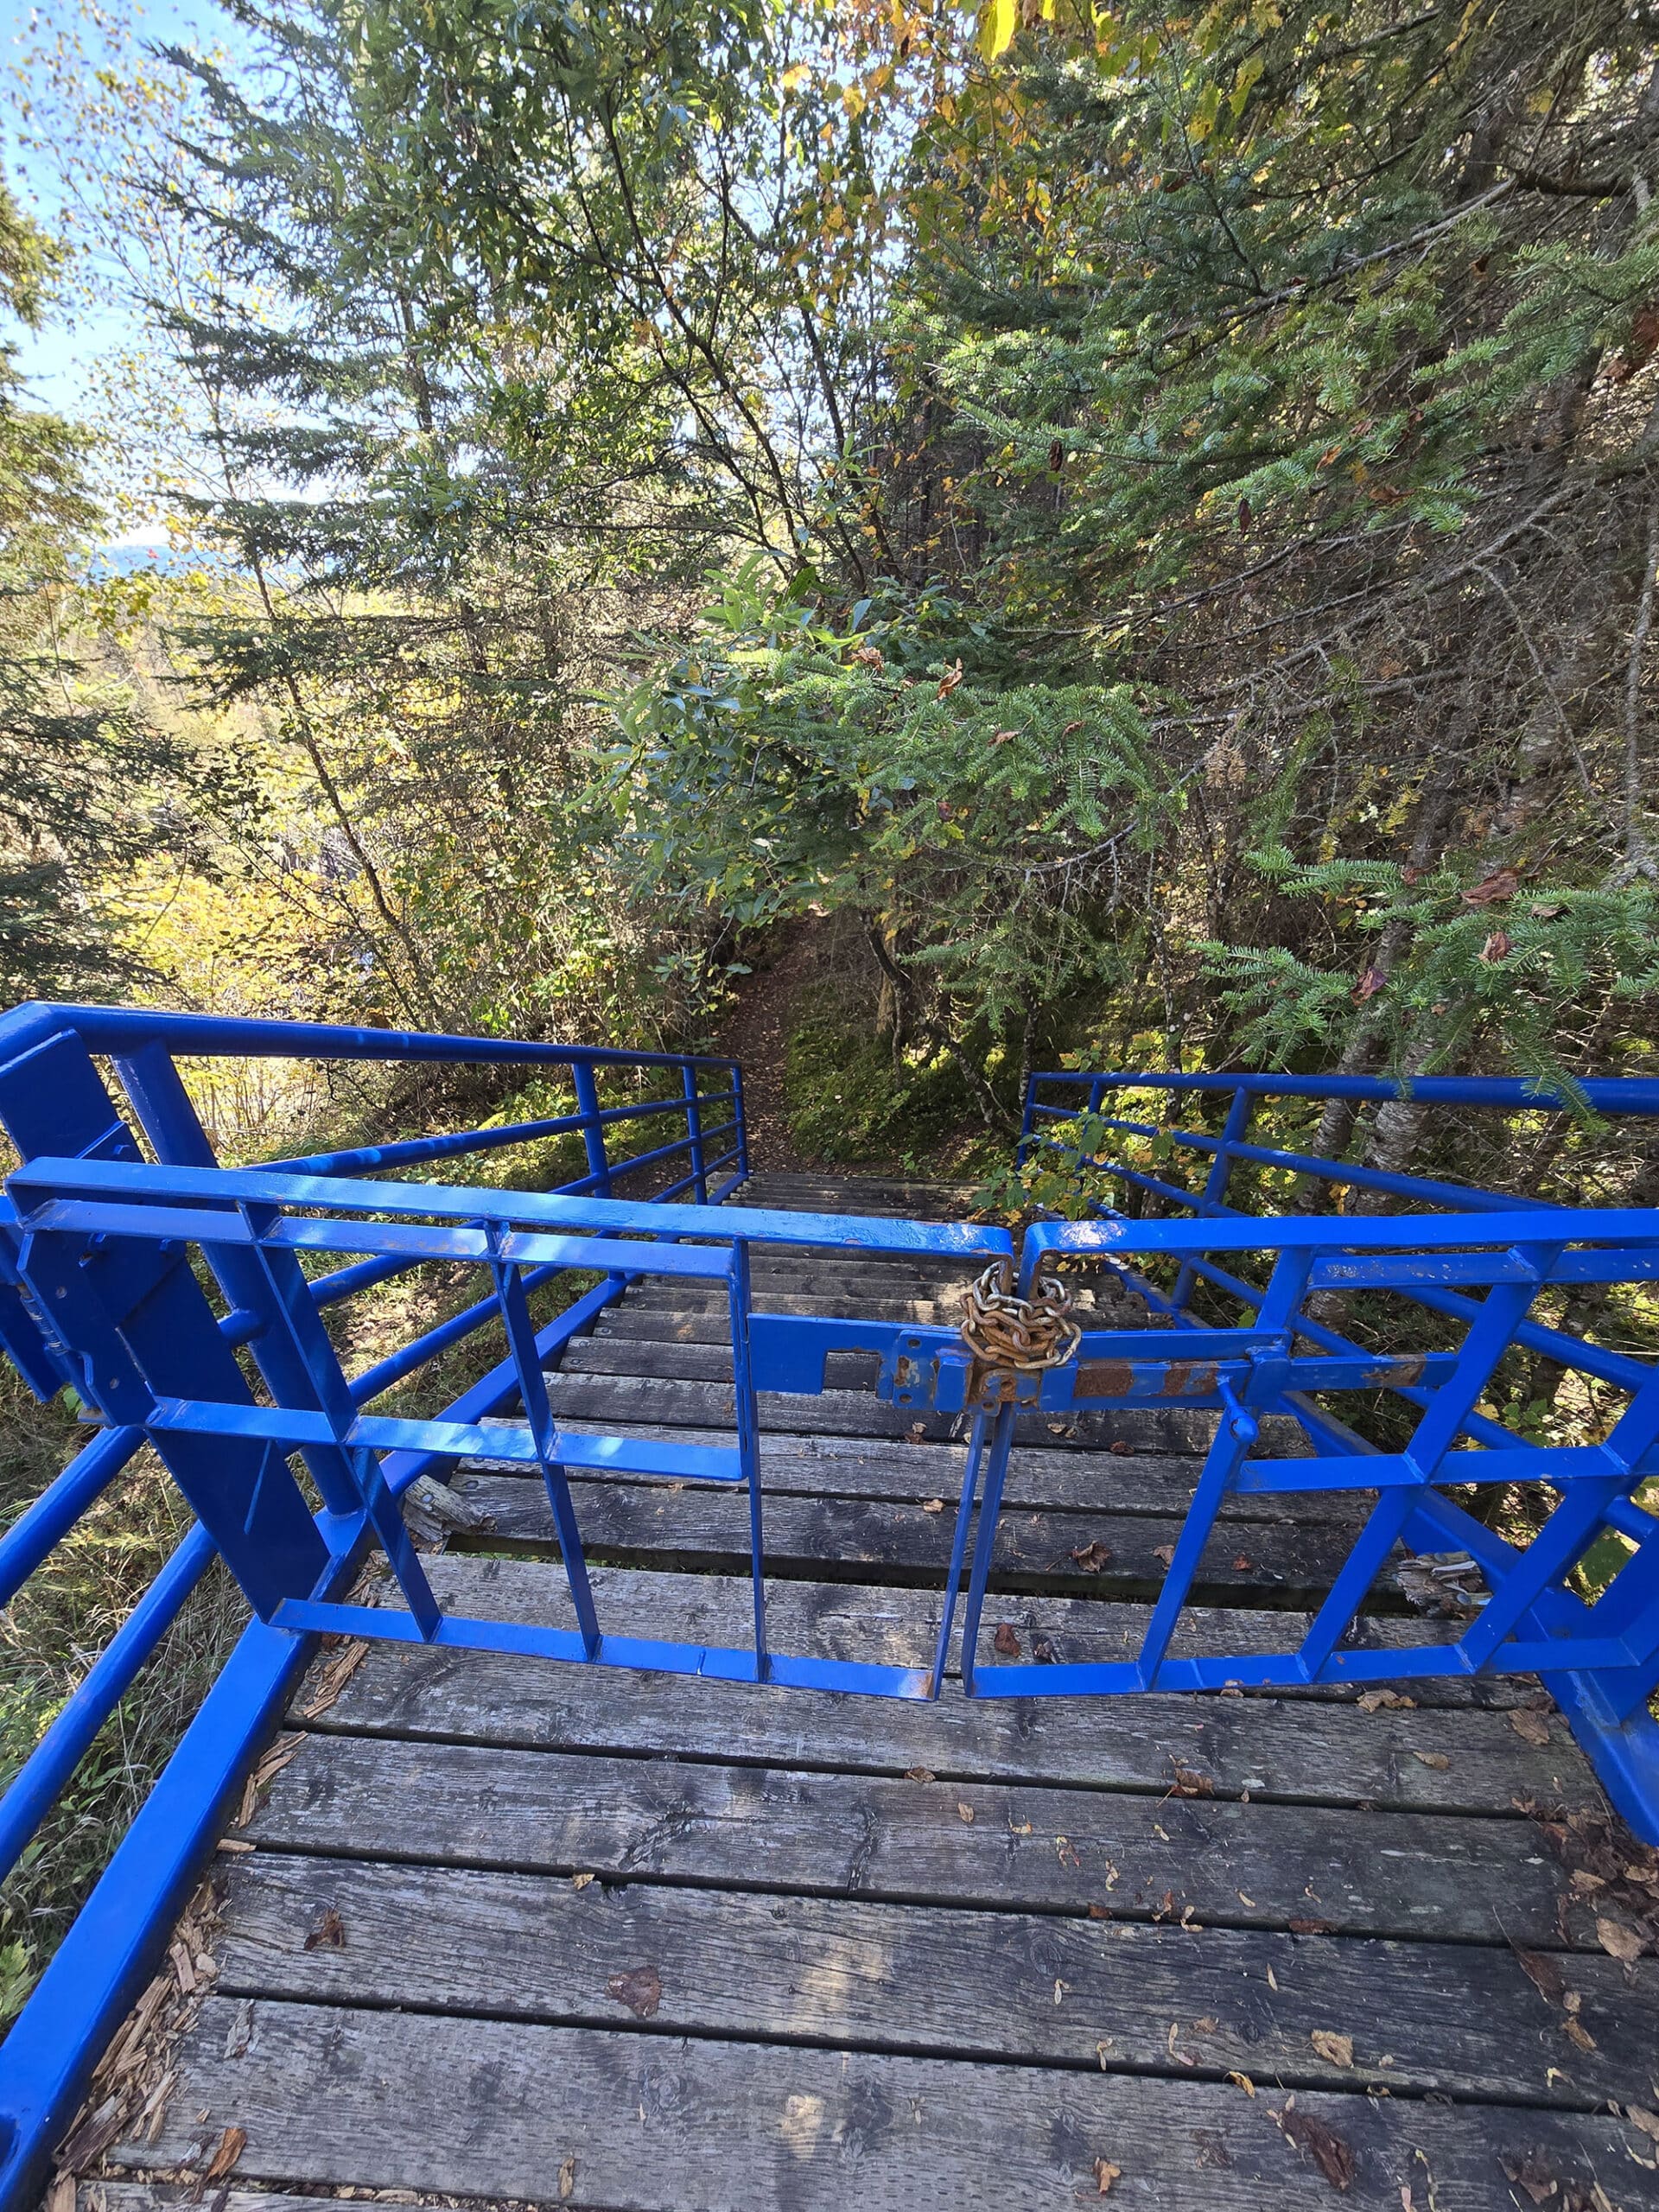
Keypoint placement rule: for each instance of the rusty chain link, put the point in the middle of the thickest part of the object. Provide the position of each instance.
(1026, 1335)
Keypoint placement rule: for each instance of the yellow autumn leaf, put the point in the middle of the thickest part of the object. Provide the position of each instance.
(998, 22)
(795, 76)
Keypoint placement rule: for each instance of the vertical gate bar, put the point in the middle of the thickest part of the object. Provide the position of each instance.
(593, 1129)
(539, 1413)
(693, 1130)
(1235, 1433)
(741, 1119)
(990, 1505)
(747, 1410)
(959, 1547)
(1215, 1186)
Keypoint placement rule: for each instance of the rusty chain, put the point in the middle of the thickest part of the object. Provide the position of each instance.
(1026, 1335)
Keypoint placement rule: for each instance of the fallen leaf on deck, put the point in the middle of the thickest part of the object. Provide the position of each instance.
(1043, 1651)
(1242, 1566)
(1244, 2082)
(1061, 1989)
(1533, 2174)
(328, 1934)
(917, 1432)
(1313, 1927)
(1005, 1641)
(1619, 1941)
(932, 1505)
(579, 1881)
(1105, 2174)
(1578, 2035)
(640, 1989)
(1123, 1451)
(1166, 1553)
(1542, 1972)
(1100, 1912)
(1437, 1760)
(1272, 1979)
(1333, 2157)
(1531, 1727)
(1091, 1557)
(1190, 1782)
(1206, 2027)
(231, 2146)
(1065, 1853)
(567, 2180)
(1382, 1700)
(918, 1774)
(965, 1814)
(1647, 2122)
(1340, 2050)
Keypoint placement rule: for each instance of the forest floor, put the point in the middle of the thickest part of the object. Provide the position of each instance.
(755, 1033)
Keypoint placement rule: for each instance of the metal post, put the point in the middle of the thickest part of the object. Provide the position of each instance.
(742, 1123)
(1215, 1188)
(694, 1131)
(748, 1444)
(593, 1129)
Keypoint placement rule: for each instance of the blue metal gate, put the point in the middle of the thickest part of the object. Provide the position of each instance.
(136, 1271)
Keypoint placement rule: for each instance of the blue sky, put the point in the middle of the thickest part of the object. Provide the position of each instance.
(54, 360)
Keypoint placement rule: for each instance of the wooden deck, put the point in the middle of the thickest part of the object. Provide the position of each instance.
(511, 1931)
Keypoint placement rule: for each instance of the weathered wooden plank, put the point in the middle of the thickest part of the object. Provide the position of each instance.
(1458, 2017)
(1419, 1758)
(646, 2123)
(1413, 1875)
(871, 1467)
(626, 1400)
(1243, 1559)
(898, 1625)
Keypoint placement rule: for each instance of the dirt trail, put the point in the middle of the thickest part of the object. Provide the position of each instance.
(755, 1033)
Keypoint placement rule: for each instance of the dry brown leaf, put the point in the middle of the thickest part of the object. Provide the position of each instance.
(1105, 2174)
(1123, 1451)
(1543, 1973)
(918, 1774)
(1383, 1701)
(1091, 1557)
(1313, 1927)
(640, 1989)
(1531, 1727)
(1437, 1760)
(328, 1934)
(1244, 2082)
(1578, 2035)
(1340, 2050)
(1166, 1553)
(1492, 889)
(965, 1814)
(1242, 1565)
(1190, 1782)
(932, 1505)
(568, 2179)
(1333, 2157)
(1647, 2122)
(1371, 980)
(1498, 946)
(232, 2144)
(1206, 2027)
(1619, 1941)
(949, 681)
(579, 1881)
(1005, 1641)
(1065, 1852)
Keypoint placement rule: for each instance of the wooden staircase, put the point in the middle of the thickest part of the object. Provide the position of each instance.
(511, 1931)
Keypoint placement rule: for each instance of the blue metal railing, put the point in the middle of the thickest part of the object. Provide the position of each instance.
(138, 1272)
